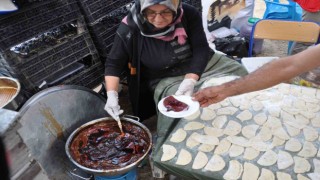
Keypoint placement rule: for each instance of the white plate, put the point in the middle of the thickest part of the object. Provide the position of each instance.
(6, 6)
(193, 107)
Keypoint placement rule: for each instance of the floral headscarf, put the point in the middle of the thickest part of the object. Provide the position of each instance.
(175, 29)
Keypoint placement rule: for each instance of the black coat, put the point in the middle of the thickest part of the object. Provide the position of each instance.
(148, 60)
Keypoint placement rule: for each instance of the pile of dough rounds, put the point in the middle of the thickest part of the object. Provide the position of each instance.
(270, 134)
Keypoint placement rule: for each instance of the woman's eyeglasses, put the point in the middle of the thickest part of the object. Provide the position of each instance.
(167, 13)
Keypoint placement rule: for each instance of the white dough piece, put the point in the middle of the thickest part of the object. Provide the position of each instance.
(216, 163)
(257, 106)
(233, 128)
(216, 132)
(300, 177)
(292, 130)
(207, 114)
(200, 160)
(283, 176)
(268, 158)
(275, 98)
(223, 146)
(178, 136)
(286, 116)
(252, 95)
(235, 150)
(214, 106)
(316, 166)
(225, 102)
(206, 147)
(266, 174)
(274, 111)
(265, 133)
(301, 165)
(290, 110)
(309, 91)
(193, 126)
(259, 145)
(250, 171)
(281, 133)
(314, 176)
(273, 122)
(308, 114)
(262, 97)
(285, 160)
(245, 105)
(193, 116)
(227, 111)
(184, 157)
(300, 104)
(169, 152)
(295, 123)
(239, 140)
(219, 121)
(277, 141)
(250, 153)
(206, 139)
(235, 101)
(249, 131)
(293, 145)
(234, 171)
(302, 119)
(312, 107)
(191, 142)
(295, 90)
(308, 150)
(283, 88)
(310, 134)
(316, 122)
(244, 115)
(260, 118)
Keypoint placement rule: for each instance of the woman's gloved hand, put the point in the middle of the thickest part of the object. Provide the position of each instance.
(186, 87)
(112, 105)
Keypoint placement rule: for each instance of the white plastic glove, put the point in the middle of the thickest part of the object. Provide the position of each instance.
(112, 105)
(186, 87)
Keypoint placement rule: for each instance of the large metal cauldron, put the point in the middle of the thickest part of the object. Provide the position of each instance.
(111, 172)
(9, 89)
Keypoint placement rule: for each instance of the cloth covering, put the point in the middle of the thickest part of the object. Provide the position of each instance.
(218, 65)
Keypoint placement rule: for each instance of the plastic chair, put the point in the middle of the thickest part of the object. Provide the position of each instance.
(284, 30)
(278, 10)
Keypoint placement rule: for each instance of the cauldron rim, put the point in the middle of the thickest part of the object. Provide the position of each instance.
(110, 172)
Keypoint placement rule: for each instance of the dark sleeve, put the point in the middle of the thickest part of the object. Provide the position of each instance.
(197, 39)
(117, 60)
(4, 167)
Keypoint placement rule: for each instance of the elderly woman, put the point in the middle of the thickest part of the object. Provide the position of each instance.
(156, 40)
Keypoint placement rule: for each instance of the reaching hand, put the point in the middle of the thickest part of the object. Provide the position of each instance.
(112, 105)
(210, 95)
(186, 87)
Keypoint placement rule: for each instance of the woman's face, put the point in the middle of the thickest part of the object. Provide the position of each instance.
(159, 15)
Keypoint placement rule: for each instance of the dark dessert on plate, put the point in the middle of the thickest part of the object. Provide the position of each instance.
(172, 104)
